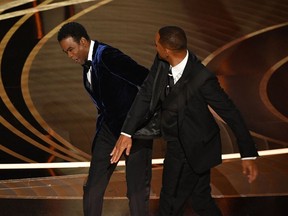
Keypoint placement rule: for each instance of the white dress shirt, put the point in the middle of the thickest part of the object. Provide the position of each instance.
(90, 59)
(177, 70)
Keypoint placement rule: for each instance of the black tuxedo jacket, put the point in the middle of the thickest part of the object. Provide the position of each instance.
(116, 79)
(198, 131)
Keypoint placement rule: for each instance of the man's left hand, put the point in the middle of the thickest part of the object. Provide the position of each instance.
(250, 169)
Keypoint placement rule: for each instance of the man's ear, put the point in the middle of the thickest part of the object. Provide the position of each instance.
(83, 42)
(168, 51)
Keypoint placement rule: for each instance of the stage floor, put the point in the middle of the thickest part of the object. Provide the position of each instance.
(62, 195)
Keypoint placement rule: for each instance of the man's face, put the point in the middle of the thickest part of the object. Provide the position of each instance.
(78, 52)
(162, 53)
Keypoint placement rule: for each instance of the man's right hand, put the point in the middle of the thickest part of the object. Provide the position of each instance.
(124, 142)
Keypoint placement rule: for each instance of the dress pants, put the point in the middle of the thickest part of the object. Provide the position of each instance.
(138, 174)
(181, 183)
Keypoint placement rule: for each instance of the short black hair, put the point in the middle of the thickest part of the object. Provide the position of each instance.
(74, 30)
(173, 37)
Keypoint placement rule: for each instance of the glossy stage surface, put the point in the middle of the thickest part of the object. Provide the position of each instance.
(48, 120)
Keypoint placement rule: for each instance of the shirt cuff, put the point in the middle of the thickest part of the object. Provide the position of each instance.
(248, 158)
(125, 134)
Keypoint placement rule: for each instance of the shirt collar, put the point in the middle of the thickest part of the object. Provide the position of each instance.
(179, 68)
(91, 50)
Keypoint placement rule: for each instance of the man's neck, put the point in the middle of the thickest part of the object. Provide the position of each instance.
(176, 58)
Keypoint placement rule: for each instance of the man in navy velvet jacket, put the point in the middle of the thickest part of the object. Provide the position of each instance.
(112, 79)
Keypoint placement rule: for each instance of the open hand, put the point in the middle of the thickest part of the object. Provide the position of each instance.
(250, 169)
(124, 142)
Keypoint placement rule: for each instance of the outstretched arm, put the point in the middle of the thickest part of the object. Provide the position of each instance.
(124, 142)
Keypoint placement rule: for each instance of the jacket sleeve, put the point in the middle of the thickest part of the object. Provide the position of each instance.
(123, 66)
(219, 101)
(140, 107)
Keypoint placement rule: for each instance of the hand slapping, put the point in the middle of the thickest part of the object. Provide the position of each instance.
(123, 142)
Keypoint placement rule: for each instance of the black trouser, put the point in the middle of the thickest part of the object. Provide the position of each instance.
(180, 182)
(138, 174)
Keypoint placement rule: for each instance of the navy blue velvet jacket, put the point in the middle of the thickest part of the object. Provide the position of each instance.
(115, 81)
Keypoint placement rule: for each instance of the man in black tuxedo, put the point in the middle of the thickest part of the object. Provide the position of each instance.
(191, 132)
(112, 79)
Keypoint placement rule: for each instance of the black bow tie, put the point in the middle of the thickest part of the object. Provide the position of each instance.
(87, 65)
